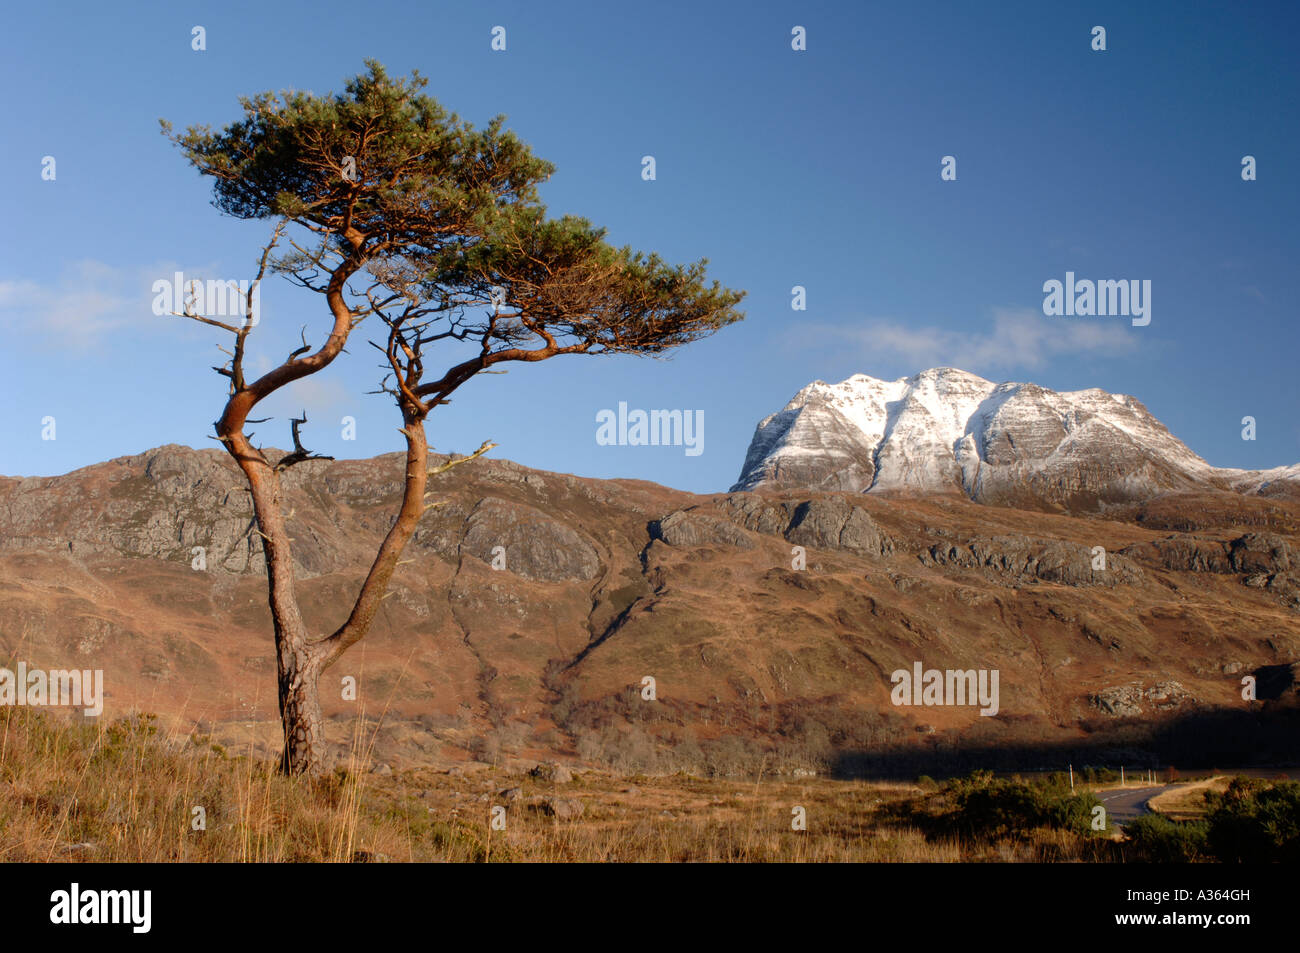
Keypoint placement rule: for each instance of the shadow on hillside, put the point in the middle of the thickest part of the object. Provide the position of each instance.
(1222, 738)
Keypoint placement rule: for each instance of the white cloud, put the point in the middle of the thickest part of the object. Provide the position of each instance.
(88, 299)
(1017, 339)
(88, 304)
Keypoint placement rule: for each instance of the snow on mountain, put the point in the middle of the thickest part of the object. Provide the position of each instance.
(1264, 482)
(946, 430)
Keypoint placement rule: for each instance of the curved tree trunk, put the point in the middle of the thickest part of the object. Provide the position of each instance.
(305, 748)
(299, 659)
(432, 186)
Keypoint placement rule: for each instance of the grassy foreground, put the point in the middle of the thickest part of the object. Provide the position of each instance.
(129, 792)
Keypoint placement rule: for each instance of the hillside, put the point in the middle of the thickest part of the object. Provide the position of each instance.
(607, 582)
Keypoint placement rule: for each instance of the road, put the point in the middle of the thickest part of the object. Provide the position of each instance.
(1125, 804)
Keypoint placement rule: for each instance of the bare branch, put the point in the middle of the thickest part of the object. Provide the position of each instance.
(212, 321)
(302, 350)
(300, 453)
(443, 468)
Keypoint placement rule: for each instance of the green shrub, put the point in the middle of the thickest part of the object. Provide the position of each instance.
(1157, 839)
(987, 806)
(1255, 821)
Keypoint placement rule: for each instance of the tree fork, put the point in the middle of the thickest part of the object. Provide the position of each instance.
(438, 215)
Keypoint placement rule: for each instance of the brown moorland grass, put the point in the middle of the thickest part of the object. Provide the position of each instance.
(128, 791)
(1187, 801)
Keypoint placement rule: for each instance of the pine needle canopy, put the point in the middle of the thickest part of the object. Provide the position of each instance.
(447, 217)
(415, 172)
(440, 227)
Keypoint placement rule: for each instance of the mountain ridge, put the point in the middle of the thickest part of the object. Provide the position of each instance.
(945, 430)
(770, 621)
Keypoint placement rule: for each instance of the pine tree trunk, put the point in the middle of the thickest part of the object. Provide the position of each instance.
(299, 660)
(305, 750)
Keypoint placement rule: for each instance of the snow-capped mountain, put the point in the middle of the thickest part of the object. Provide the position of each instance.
(945, 430)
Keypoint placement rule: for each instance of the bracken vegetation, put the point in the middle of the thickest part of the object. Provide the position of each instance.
(127, 791)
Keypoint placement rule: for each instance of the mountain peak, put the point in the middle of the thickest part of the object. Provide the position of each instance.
(946, 430)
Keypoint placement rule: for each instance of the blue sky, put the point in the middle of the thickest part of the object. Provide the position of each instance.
(817, 168)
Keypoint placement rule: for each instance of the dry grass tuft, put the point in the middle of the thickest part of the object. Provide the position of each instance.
(127, 792)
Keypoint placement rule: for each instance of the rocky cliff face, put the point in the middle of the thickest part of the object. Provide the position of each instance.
(947, 431)
(769, 621)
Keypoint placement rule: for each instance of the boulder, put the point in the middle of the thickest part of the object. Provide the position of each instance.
(561, 808)
(552, 772)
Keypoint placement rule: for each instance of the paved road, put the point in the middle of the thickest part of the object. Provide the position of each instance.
(1125, 804)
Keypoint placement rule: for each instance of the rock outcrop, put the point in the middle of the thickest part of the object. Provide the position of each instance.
(1023, 559)
(823, 523)
(530, 608)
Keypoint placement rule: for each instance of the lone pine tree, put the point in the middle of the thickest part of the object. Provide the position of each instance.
(393, 209)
